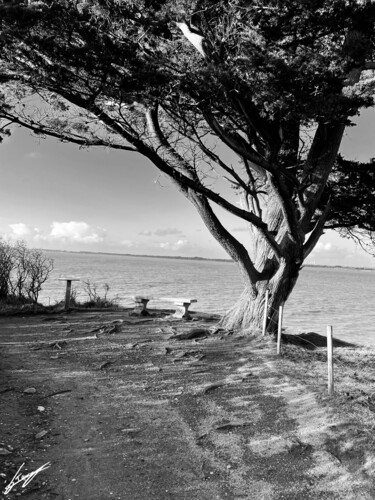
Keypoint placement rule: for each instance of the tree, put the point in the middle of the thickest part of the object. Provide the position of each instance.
(183, 82)
(22, 272)
(6, 266)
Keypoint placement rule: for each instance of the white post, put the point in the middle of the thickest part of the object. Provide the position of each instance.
(330, 360)
(265, 313)
(279, 329)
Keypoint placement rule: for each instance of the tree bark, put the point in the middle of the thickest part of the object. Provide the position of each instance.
(247, 313)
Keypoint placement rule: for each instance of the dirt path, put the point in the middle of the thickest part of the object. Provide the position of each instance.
(131, 412)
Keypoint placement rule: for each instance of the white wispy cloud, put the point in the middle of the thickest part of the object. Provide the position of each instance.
(20, 230)
(170, 231)
(324, 247)
(33, 155)
(75, 232)
(174, 245)
(64, 232)
(129, 243)
(167, 232)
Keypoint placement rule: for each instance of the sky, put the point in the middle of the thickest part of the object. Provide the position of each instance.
(58, 196)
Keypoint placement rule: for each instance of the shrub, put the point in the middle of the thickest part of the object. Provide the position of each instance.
(22, 272)
(94, 298)
(6, 266)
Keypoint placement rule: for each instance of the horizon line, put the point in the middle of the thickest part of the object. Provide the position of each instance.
(180, 257)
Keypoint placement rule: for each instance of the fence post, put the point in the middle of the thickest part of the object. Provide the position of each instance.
(67, 294)
(265, 313)
(279, 329)
(68, 280)
(330, 360)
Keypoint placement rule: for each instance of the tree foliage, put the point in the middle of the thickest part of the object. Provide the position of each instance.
(352, 188)
(22, 272)
(179, 81)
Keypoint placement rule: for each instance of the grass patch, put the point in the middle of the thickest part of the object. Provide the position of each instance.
(98, 303)
(16, 305)
(305, 359)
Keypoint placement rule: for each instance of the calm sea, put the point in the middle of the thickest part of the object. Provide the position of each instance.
(343, 298)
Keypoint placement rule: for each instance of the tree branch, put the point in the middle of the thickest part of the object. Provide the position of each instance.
(237, 143)
(318, 166)
(214, 157)
(316, 233)
(197, 187)
(41, 129)
(234, 248)
(154, 127)
(262, 127)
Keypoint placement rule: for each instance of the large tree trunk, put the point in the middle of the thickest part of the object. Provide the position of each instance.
(248, 312)
(278, 276)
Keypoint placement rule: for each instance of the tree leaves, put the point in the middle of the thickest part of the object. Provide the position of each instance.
(352, 187)
(120, 72)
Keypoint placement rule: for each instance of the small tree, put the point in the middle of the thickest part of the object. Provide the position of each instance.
(22, 271)
(7, 258)
(39, 268)
(179, 81)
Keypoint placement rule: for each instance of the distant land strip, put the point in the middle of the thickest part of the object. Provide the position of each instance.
(178, 257)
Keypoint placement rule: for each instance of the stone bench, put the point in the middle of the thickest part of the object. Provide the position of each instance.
(182, 304)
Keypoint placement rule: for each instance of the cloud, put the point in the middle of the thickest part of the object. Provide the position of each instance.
(178, 245)
(170, 231)
(181, 243)
(324, 247)
(20, 230)
(75, 232)
(63, 232)
(33, 155)
(167, 232)
(129, 243)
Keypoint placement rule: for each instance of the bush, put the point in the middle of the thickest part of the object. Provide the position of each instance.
(94, 299)
(22, 273)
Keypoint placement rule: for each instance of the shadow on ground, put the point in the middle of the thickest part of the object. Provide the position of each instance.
(134, 408)
(312, 341)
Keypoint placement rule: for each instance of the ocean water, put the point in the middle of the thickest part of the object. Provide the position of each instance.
(343, 298)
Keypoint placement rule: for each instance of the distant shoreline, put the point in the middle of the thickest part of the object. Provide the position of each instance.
(178, 257)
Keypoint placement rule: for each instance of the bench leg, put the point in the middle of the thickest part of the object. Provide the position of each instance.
(141, 306)
(182, 311)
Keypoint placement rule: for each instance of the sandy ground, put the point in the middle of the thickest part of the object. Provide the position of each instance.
(123, 407)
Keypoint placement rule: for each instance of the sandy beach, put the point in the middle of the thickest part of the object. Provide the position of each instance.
(127, 407)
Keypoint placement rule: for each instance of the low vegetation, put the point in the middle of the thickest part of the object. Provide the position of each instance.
(95, 299)
(23, 271)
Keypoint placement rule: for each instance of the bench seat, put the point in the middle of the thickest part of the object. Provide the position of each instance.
(182, 304)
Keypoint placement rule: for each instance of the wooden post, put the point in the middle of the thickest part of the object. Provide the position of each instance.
(265, 313)
(330, 360)
(68, 289)
(67, 294)
(279, 329)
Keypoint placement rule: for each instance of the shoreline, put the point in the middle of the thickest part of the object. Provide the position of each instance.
(196, 258)
(58, 308)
